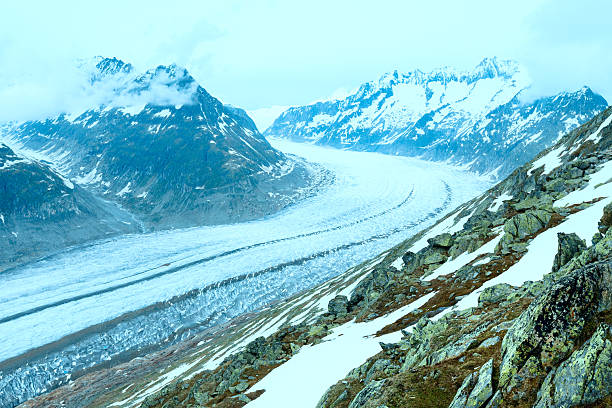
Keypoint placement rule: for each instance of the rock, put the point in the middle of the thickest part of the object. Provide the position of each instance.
(433, 256)
(243, 398)
(532, 369)
(242, 386)
(491, 341)
(373, 390)
(201, 397)
(484, 386)
(494, 294)
(584, 378)
(606, 219)
(524, 224)
(379, 365)
(338, 306)
(476, 388)
(443, 240)
(496, 401)
(569, 246)
(462, 394)
(552, 324)
(544, 202)
(408, 258)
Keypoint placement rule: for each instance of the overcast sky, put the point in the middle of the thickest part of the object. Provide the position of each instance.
(257, 54)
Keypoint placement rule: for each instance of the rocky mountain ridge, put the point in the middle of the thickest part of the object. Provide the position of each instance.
(41, 211)
(477, 119)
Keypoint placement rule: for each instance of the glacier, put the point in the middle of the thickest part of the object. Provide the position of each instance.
(115, 299)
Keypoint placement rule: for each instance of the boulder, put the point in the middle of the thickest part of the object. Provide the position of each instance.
(606, 219)
(443, 240)
(524, 224)
(569, 246)
(484, 387)
(476, 388)
(584, 378)
(494, 294)
(338, 306)
(554, 322)
(373, 390)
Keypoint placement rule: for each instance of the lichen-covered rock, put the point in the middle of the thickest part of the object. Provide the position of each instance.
(585, 377)
(496, 400)
(463, 392)
(524, 224)
(378, 366)
(338, 306)
(444, 240)
(569, 246)
(606, 219)
(544, 202)
(553, 323)
(484, 387)
(432, 256)
(476, 388)
(494, 294)
(373, 390)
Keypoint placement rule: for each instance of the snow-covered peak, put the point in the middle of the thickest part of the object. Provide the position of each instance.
(488, 68)
(112, 66)
(494, 67)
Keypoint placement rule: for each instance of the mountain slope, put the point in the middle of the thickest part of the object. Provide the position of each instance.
(163, 148)
(470, 118)
(41, 211)
(504, 302)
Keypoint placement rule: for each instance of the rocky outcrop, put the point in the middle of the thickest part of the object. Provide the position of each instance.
(553, 325)
(584, 378)
(42, 212)
(476, 389)
(569, 246)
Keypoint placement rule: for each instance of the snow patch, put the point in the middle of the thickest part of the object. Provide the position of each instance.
(346, 347)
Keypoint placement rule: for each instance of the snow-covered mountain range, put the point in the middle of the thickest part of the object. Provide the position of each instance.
(475, 118)
(160, 147)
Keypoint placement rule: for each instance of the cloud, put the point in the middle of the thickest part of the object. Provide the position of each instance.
(568, 46)
(71, 91)
(276, 53)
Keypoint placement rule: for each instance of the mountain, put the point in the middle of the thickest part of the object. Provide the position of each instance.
(476, 118)
(41, 211)
(160, 146)
(505, 302)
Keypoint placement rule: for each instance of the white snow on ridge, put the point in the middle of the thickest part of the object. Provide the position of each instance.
(595, 137)
(550, 160)
(345, 348)
(164, 113)
(540, 255)
(499, 201)
(125, 189)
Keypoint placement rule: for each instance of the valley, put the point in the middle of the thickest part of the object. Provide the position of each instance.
(114, 299)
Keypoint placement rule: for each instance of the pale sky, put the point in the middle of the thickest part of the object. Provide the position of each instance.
(260, 53)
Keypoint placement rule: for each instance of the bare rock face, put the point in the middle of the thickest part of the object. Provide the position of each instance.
(569, 246)
(585, 377)
(476, 389)
(553, 324)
